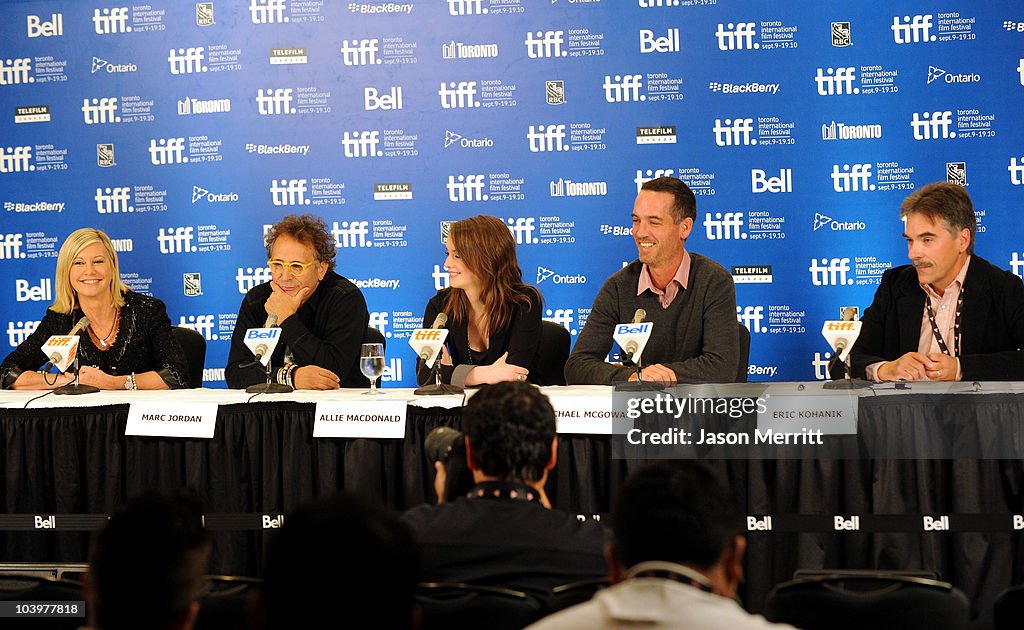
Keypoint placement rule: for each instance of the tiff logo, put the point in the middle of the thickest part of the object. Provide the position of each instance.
(267, 11)
(836, 82)
(113, 200)
(1016, 171)
(111, 21)
(15, 71)
(751, 317)
(167, 151)
(466, 7)
(852, 178)
(441, 278)
(642, 177)
(360, 52)
(544, 44)
(560, 316)
(250, 277)
(202, 324)
(18, 332)
(933, 125)
(739, 36)
(734, 132)
(820, 365)
(361, 144)
(351, 234)
(723, 226)
(466, 188)
(288, 192)
(16, 159)
(1020, 70)
(546, 138)
(100, 110)
(379, 320)
(912, 30)
(272, 102)
(458, 95)
(175, 240)
(10, 247)
(623, 89)
(831, 272)
(1017, 264)
(522, 229)
(186, 60)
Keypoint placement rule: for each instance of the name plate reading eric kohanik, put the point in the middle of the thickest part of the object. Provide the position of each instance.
(182, 419)
(360, 419)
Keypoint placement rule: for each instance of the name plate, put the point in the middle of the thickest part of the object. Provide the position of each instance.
(360, 419)
(187, 420)
(822, 415)
(584, 414)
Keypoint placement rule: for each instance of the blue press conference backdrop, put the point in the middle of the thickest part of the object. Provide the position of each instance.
(183, 128)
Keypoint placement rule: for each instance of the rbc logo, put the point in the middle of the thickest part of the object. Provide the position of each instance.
(113, 200)
(176, 240)
(111, 21)
(836, 82)
(853, 178)
(912, 29)
(932, 126)
(202, 324)
(736, 37)
(186, 60)
(751, 317)
(250, 277)
(289, 192)
(543, 44)
(724, 226)
(831, 272)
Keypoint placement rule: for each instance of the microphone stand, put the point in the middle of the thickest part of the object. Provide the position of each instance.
(438, 388)
(74, 387)
(846, 382)
(269, 387)
(640, 385)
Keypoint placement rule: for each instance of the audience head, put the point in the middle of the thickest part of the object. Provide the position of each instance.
(99, 250)
(147, 565)
(680, 512)
(510, 430)
(344, 559)
(946, 204)
(445, 448)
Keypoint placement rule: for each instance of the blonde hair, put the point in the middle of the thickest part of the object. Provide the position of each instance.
(486, 246)
(66, 299)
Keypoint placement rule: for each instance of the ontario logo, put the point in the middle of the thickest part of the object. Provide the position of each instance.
(544, 274)
(939, 74)
(456, 139)
(200, 193)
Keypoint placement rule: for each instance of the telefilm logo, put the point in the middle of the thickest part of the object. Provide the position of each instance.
(461, 50)
(752, 274)
(392, 191)
(38, 27)
(31, 114)
(102, 65)
(656, 135)
(288, 56)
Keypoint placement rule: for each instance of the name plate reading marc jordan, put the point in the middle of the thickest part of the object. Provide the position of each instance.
(584, 414)
(360, 419)
(182, 419)
(804, 419)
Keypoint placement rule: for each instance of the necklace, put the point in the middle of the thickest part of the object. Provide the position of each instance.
(114, 325)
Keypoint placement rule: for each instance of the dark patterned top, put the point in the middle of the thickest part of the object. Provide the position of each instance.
(144, 343)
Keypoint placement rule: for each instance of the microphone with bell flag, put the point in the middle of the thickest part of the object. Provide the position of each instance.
(61, 350)
(262, 341)
(633, 337)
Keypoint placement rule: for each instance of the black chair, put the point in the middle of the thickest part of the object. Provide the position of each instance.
(1008, 609)
(744, 335)
(567, 595)
(552, 353)
(375, 336)
(461, 606)
(32, 588)
(878, 600)
(194, 346)
(223, 603)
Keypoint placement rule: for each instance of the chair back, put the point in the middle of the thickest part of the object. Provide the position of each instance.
(194, 346)
(552, 353)
(33, 588)
(223, 604)
(1008, 609)
(744, 337)
(461, 606)
(880, 601)
(574, 593)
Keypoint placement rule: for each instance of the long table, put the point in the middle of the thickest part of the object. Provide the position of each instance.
(67, 462)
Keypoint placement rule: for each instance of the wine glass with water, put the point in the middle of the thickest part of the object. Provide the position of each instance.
(371, 364)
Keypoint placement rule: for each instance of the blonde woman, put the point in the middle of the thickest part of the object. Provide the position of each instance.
(493, 318)
(128, 343)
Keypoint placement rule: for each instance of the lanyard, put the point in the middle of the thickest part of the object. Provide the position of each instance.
(956, 325)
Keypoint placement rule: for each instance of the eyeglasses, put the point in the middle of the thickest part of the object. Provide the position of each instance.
(296, 267)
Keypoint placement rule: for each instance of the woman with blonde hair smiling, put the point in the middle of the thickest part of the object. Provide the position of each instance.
(494, 319)
(128, 343)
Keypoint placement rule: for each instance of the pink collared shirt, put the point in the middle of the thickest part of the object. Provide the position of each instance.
(944, 307)
(672, 289)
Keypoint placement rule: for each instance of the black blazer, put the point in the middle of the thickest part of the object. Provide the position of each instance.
(520, 338)
(993, 322)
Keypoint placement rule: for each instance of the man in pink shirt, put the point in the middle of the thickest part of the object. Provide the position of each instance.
(950, 315)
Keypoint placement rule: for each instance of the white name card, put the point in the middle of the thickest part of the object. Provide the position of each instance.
(186, 420)
(833, 415)
(360, 419)
(584, 414)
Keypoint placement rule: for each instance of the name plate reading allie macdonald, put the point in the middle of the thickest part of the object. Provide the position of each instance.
(182, 419)
(360, 419)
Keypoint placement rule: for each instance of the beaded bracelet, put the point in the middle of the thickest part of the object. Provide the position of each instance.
(129, 382)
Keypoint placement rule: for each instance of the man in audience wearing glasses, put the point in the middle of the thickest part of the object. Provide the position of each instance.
(675, 560)
(323, 316)
(504, 532)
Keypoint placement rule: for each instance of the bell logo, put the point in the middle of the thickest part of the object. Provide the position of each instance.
(932, 125)
(738, 36)
(734, 132)
(100, 111)
(374, 100)
(932, 524)
(24, 292)
(912, 30)
(45, 522)
(724, 226)
(360, 52)
(667, 44)
(111, 21)
(544, 44)
(273, 521)
(38, 28)
(842, 524)
(267, 11)
(289, 192)
(755, 524)
(392, 371)
(836, 82)
(761, 183)
(1018, 522)
(751, 317)
(831, 272)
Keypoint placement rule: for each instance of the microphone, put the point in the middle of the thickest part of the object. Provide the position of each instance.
(271, 320)
(440, 320)
(633, 337)
(639, 315)
(427, 342)
(69, 343)
(841, 333)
